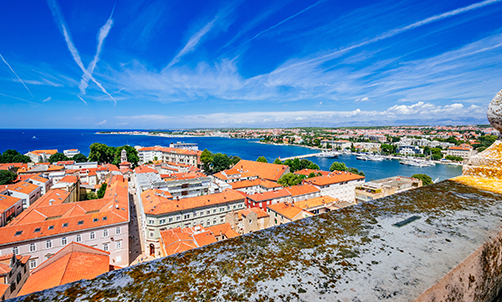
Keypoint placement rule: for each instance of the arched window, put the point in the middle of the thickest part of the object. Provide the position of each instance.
(48, 244)
(117, 231)
(79, 238)
(105, 233)
(93, 235)
(64, 241)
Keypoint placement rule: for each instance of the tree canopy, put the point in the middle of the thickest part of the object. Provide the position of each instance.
(214, 163)
(104, 154)
(262, 159)
(132, 155)
(12, 156)
(277, 161)
(57, 157)
(7, 177)
(426, 179)
(206, 158)
(338, 166)
(102, 190)
(297, 164)
(290, 179)
(79, 158)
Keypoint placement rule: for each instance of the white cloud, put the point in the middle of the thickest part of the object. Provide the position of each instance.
(364, 99)
(47, 99)
(101, 123)
(11, 69)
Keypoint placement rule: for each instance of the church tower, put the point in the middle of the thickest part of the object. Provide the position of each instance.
(123, 156)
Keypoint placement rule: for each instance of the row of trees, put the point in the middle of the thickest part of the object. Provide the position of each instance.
(7, 177)
(79, 158)
(338, 166)
(104, 154)
(214, 163)
(12, 156)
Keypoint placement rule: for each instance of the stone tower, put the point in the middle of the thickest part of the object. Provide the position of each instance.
(123, 156)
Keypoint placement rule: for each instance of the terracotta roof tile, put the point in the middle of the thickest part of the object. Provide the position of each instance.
(333, 178)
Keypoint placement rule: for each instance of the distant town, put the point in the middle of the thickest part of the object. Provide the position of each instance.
(120, 206)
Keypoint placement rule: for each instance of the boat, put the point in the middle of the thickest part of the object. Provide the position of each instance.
(328, 154)
(362, 157)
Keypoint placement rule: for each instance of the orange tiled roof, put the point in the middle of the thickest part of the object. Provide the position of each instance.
(74, 262)
(3, 288)
(56, 196)
(258, 211)
(223, 229)
(333, 178)
(70, 179)
(269, 195)
(255, 182)
(264, 170)
(144, 169)
(315, 202)
(70, 217)
(185, 175)
(151, 198)
(307, 172)
(301, 190)
(7, 202)
(171, 150)
(170, 206)
(23, 187)
(39, 178)
(179, 240)
(459, 148)
(51, 152)
(286, 209)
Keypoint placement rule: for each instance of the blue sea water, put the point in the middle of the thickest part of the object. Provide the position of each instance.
(24, 140)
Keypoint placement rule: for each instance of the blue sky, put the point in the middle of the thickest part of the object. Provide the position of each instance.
(187, 64)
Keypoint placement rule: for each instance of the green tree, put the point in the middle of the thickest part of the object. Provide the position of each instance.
(290, 179)
(262, 159)
(452, 140)
(454, 158)
(234, 160)
(90, 196)
(388, 149)
(277, 161)
(220, 162)
(57, 157)
(337, 166)
(312, 174)
(7, 177)
(79, 158)
(101, 153)
(426, 179)
(102, 190)
(206, 158)
(12, 156)
(132, 155)
(355, 171)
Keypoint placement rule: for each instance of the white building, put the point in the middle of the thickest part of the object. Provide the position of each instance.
(71, 152)
(25, 191)
(338, 184)
(168, 155)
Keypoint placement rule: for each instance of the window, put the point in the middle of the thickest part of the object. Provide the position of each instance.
(79, 238)
(178, 218)
(92, 236)
(18, 233)
(33, 263)
(95, 220)
(37, 230)
(187, 216)
(214, 211)
(15, 250)
(118, 245)
(51, 227)
(33, 247)
(105, 233)
(208, 222)
(64, 241)
(222, 219)
(151, 221)
(80, 222)
(117, 231)
(170, 219)
(65, 224)
(105, 218)
(208, 212)
(105, 247)
(48, 244)
(152, 234)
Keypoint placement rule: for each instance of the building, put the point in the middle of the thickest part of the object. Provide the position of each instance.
(318, 205)
(71, 152)
(248, 220)
(25, 191)
(179, 240)
(263, 200)
(409, 150)
(51, 223)
(285, 212)
(302, 192)
(10, 207)
(183, 145)
(266, 171)
(337, 184)
(341, 144)
(44, 183)
(307, 172)
(384, 187)
(234, 175)
(41, 156)
(72, 263)
(254, 186)
(184, 185)
(164, 154)
(465, 151)
(160, 212)
(70, 184)
(13, 274)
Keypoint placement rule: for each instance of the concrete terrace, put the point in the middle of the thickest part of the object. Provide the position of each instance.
(353, 254)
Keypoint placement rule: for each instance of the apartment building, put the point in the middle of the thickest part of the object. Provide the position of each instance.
(254, 186)
(465, 151)
(161, 212)
(337, 184)
(285, 212)
(41, 156)
(13, 274)
(51, 223)
(25, 191)
(10, 207)
(164, 154)
(44, 183)
(71, 184)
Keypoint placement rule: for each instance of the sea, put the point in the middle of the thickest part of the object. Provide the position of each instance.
(24, 140)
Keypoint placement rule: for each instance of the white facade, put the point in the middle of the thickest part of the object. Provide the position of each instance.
(343, 191)
(71, 152)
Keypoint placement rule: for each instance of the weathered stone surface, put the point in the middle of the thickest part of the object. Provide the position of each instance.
(487, 164)
(354, 254)
(494, 112)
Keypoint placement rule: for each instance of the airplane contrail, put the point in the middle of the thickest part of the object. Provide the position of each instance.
(16, 75)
